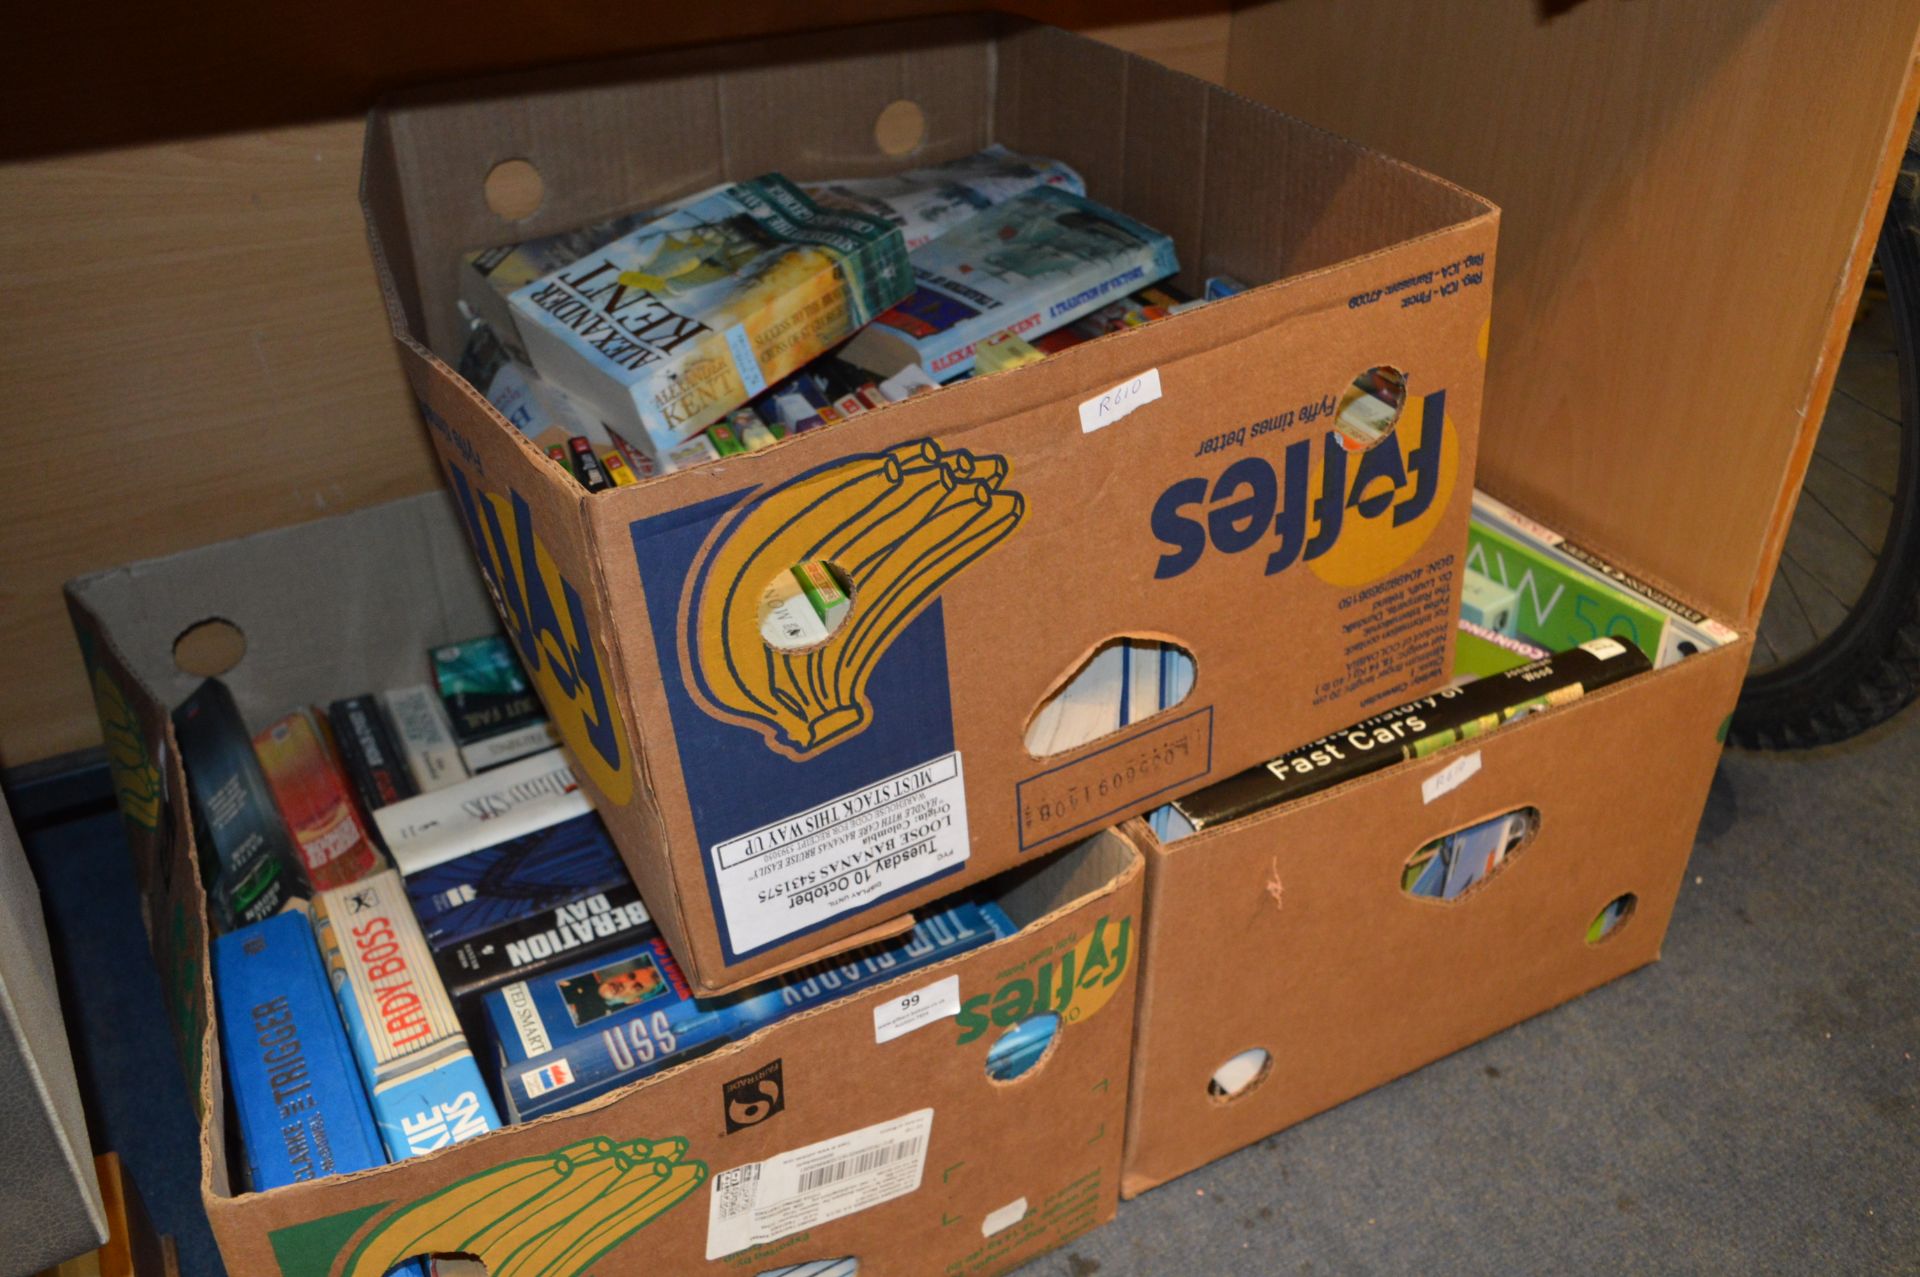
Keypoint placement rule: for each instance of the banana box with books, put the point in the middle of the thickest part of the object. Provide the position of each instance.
(951, 1100)
(1275, 483)
(1417, 881)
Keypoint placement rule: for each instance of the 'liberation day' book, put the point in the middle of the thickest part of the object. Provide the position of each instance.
(1027, 266)
(670, 328)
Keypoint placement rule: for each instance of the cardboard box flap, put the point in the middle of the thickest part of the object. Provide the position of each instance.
(268, 586)
(1209, 168)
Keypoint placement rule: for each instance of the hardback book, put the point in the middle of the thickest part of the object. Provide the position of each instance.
(303, 1112)
(1027, 266)
(671, 327)
(248, 861)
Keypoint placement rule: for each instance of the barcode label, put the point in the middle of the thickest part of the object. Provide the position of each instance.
(764, 1201)
(871, 1160)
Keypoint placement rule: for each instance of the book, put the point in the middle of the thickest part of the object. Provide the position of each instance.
(420, 728)
(506, 747)
(421, 1079)
(1027, 266)
(489, 277)
(1414, 730)
(541, 411)
(927, 202)
(483, 687)
(496, 807)
(671, 327)
(593, 476)
(1579, 584)
(581, 1030)
(367, 752)
(1478, 652)
(248, 862)
(315, 802)
(296, 1091)
(518, 950)
(498, 884)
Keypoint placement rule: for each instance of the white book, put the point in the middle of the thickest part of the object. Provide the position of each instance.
(426, 737)
(507, 802)
(497, 751)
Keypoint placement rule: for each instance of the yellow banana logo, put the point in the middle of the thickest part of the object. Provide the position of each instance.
(553, 1215)
(896, 524)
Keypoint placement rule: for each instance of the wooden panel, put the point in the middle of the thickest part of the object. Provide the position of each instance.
(1684, 187)
(190, 336)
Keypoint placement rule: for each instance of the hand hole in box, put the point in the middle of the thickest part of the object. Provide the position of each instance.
(847, 1266)
(1239, 1075)
(1610, 919)
(439, 1265)
(1448, 866)
(1370, 408)
(209, 648)
(515, 190)
(901, 128)
(805, 605)
(1125, 681)
(1023, 1048)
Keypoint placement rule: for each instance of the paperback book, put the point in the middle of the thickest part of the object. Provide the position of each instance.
(460, 899)
(314, 800)
(502, 805)
(925, 203)
(367, 752)
(425, 737)
(671, 327)
(524, 948)
(419, 1074)
(1027, 266)
(484, 689)
(247, 860)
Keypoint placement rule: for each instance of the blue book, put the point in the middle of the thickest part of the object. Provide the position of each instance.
(303, 1113)
(583, 1030)
(1035, 263)
(512, 880)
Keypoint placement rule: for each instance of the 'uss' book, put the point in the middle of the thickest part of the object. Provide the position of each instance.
(303, 1114)
(1415, 730)
(426, 1090)
(668, 329)
(1030, 265)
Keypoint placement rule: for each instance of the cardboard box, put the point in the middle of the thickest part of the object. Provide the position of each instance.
(1153, 483)
(989, 1172)
(1345, 979)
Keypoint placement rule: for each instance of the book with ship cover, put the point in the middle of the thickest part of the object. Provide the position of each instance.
(1414, 730)
(671, 327)
(925, 203)
(1027, 266)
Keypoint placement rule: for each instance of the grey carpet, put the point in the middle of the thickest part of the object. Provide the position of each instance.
(1751, 1104)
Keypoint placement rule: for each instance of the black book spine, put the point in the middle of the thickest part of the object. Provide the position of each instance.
(368, 753)
(247, 857)
(1418, 727)
(549, 939)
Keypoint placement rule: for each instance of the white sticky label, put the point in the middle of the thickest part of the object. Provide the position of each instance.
(745, 362)
(897, 1017)
(765, 1201)
(1103, 410)
(1604, 648)
(1450, 777)
(1004, 1218)
(818, 864)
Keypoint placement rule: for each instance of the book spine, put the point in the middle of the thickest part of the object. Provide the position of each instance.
(313, 798)
(420, 726)
(303, 1113)
(405, 1034)
(508, 747)
(596, 924)
(368, 753)
(247, 859)
(507, 803)
(1414, 730)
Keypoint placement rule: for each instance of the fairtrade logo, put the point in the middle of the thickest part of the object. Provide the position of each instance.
(898, 524)
(1351, 519)
(552, 1215)
(752, 1099)
(548, 625)
(1072, 985)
